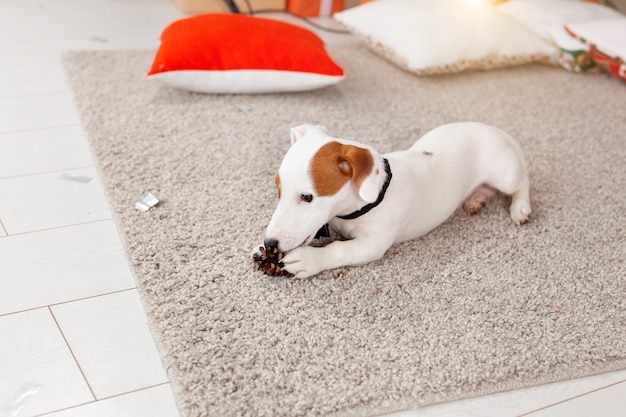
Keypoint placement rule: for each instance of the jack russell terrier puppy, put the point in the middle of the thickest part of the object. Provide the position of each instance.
(377, 200)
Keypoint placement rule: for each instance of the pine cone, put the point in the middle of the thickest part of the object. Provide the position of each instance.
(270, 262)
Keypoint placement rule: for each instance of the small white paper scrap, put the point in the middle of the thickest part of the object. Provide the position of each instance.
(75, 177)
(14, 404)
(241, 106)
(147, 203)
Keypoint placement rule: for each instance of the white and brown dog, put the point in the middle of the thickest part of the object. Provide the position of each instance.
(377, 200)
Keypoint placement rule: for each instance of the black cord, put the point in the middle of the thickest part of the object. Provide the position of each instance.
(250, 11)
(231, 6)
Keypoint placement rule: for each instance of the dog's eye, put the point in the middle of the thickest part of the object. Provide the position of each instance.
(307, 198)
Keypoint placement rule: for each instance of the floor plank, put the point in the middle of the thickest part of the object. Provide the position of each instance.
(19, 80)
(37, 111)
(150, 402)
(110, 339)
(58, 265)
(38, 372)
(52, 200)
(606, 402)
(40, 151)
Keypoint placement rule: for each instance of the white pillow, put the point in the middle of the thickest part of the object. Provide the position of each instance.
(606, 42)
(547, 19)
(443, 36)
(607, 35)
(541, 16)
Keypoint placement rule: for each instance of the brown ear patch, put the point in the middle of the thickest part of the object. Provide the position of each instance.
(334, 164)
(277, 180)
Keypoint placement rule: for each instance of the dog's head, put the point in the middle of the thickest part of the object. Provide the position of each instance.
(320, 177)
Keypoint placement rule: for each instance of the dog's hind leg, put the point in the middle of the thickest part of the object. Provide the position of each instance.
(510, 177)
(475, 203)
(520, 205)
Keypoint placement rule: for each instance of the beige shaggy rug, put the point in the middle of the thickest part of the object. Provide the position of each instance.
(479, 305)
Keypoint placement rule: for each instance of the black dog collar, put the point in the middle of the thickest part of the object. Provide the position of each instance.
(381, 195)
(325, 230)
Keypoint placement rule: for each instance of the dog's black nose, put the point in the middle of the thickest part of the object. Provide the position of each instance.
(271, 243)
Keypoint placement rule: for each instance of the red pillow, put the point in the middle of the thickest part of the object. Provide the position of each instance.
(233, 53)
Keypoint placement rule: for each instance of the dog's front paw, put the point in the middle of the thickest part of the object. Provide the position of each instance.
(302, 262)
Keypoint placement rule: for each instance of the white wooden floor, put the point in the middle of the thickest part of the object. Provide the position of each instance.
(73, 338)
